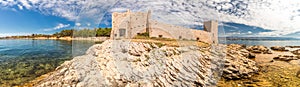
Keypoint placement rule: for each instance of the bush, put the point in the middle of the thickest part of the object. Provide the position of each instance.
(142, 36)
(103, 32)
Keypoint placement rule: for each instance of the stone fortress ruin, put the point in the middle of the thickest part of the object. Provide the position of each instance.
(129, 24)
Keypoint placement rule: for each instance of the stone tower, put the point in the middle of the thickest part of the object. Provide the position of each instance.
(148, 27)
(212, 27)
(129, 24)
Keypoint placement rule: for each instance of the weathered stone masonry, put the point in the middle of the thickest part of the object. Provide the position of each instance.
(128, 24)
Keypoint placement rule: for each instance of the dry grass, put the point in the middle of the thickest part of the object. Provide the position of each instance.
(172, 43)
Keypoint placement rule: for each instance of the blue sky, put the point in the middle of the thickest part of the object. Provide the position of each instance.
(25, 21)
(237, 17)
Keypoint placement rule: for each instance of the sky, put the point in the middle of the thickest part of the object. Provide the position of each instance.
(236, 17)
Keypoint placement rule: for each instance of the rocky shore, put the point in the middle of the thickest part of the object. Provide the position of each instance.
(275, 67)
(125, 63)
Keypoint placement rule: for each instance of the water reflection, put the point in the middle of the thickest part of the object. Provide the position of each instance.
(24, 60)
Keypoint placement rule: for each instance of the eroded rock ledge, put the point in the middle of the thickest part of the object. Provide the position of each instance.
(122, 63)
(237, 63)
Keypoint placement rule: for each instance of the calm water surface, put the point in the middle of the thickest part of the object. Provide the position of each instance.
(24, 60)
(268, 43)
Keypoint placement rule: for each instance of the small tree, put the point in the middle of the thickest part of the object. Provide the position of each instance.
(103, 32)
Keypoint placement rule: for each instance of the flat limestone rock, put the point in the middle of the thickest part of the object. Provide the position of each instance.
(259, 49)
(286, 58)
(279, 48)
(296, 52)
(237, 64)
(132, 64)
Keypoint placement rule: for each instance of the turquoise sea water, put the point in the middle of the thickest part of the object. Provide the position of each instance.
(23, 60)
(268, 43)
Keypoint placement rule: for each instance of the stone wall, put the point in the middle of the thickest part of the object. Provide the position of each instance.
(127, 25)
(133, 23)
(176, 32)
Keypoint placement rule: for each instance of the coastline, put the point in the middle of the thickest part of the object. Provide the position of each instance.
(284, 71)
(278, 66)
(61, 38)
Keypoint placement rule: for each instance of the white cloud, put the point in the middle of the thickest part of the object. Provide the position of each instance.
(279, 32)
(75, 10)
(57, 27)
(20, 7)
(88, 24)
(7, 3)
(275, 15)
(234, 27)
(78, 24)
(34, 1)
(25, 3)
(118, 9)
(249, 32)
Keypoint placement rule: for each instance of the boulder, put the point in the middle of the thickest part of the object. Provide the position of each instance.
(286, 58)
(279, 48)
(293, 46)
(250, 55)
(237, 63)
(259, 49)
(296, 52)
(298, 74)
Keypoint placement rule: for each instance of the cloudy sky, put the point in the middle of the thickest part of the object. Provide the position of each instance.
(236, 17)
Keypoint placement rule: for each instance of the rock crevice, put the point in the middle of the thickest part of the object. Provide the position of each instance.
(124, 63)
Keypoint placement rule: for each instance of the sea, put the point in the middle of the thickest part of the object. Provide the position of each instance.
(22, 60)
(265, 41)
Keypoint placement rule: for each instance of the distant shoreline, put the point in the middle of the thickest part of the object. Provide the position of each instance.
(261, 38)
(60, 38)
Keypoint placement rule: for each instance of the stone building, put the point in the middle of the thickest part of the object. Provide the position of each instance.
(129, 24)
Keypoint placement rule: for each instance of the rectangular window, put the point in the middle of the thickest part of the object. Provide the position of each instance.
(122, 32)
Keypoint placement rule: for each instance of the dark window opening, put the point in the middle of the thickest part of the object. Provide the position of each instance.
(197, 38)
(160, 36)
(180, 37)
(122, 32)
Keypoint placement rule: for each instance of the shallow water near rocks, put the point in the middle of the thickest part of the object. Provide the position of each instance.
(267, 43)
(23, 60)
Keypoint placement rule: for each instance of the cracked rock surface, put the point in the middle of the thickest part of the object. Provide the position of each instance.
(124, 63)
(237, 63)
(259, 49)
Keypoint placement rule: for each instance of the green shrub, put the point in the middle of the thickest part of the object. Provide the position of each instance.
(142, 36)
